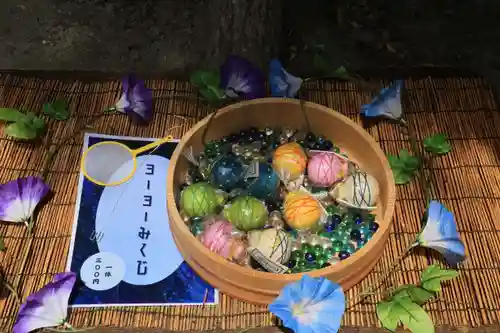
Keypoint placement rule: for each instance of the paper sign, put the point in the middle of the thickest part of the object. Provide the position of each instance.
(252, 171)
(265, 262)
(121, 247)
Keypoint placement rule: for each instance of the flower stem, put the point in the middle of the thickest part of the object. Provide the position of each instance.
(13, 291)
(371, 291)
(111, 109)
(418, 151)
(66, 327)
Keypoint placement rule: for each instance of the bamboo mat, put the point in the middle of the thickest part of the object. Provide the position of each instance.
(469, 185)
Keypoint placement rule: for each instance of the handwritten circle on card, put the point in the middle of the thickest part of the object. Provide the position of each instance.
(133, 220)
(102, 271)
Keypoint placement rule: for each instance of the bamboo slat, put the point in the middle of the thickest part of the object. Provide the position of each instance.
(468, 184)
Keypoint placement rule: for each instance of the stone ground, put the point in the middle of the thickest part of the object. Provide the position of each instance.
(171, 36)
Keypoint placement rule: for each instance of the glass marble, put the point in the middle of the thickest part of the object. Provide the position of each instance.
(318, 249)
(349, 248)
(310, 256)
(337, 246)
(296, 254)
(329, 252)
(355, 234)
(343, 255)
(373, 226)
(307, 247)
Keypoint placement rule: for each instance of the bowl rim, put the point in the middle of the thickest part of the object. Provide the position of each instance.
(174, 214)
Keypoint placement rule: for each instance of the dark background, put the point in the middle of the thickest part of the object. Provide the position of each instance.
(171, 37)
(183, 286)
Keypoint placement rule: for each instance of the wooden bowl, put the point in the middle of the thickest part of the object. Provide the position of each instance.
(262, 287)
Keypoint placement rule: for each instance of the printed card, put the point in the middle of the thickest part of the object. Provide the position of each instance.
(121, 246)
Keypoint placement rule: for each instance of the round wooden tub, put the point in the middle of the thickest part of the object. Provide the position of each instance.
(262, 287)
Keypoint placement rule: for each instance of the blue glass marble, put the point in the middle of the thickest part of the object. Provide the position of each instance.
(373, 226)
(227, 173)
(310, 256)
(266, 185)
(331, 223)
(343, 255)
(356, 234)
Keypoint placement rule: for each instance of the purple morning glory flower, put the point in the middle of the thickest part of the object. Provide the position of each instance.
(48, 307)
(239, 78)
(386, 104)
(19, 198)
(282, 83)
(136, 100)
(311, 305)
(440, 234)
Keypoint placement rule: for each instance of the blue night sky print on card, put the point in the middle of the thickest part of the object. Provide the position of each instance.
(122, 248)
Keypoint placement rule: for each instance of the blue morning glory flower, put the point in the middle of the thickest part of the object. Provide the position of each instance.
(311, 305)
(440, 234)
(282, 83)
(386, 104)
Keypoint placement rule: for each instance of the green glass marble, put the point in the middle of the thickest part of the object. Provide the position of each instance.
(333, 210)
(341, 237)
(337, 246)
(307, 248)
(329, 252)
(320, 262)
(318, 250)
(349, 248)
(196, 228)
(297, 254)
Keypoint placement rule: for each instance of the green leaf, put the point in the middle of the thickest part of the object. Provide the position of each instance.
(10, 115)
(413, 316)
(437, 144)
(411, 163)
(21, 130)
(341, 73)
(322, 65)
(2, 244)
(433, 275)
(417, 294)
(212, 94)
(203, 79)
(387, 316)
(403, 166)
(402, 176)
(57, 110)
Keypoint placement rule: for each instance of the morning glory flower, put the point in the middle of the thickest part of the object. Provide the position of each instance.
(48, 307)
(311, 305)
(19, 198)
(386, 104)
(136, 100)
(440, 234)
(282, 83)
(239, 78)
